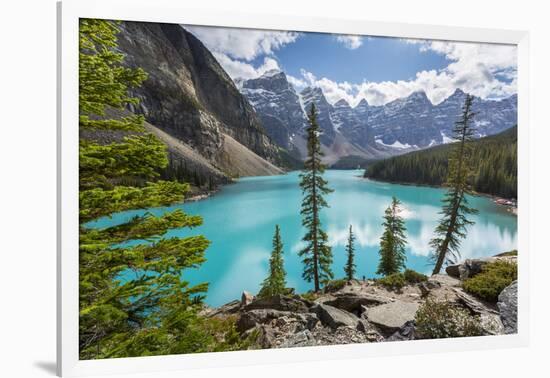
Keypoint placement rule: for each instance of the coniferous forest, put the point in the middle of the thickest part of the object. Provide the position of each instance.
(494, 162)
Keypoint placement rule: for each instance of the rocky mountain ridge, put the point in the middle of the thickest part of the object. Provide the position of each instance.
(193, 103)
(405, 124)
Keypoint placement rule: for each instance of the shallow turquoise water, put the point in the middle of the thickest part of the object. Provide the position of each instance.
(240, 221)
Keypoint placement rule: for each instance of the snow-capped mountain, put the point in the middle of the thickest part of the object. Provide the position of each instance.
(352, 122)
(405, 124)
(491, 116)
(324, 113)
(277, 104)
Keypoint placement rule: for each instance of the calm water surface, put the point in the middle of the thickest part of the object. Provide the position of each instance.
(241, 218)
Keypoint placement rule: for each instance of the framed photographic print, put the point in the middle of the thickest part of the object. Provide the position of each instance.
(266, 188)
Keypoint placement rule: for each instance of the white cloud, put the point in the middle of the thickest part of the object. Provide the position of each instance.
(484, 70)
(351, 42)
(239, 69)
(244, 44)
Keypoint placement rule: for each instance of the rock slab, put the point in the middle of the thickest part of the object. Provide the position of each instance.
(508, 308)
(392, 316)
(333, 317)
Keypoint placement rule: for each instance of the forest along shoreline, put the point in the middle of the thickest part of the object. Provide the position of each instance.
(510, 204)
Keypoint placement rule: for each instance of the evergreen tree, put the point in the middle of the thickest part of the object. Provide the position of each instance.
(452, 226)
(133, 299)
(317, 254)
(349, 269)
(493, 162)
(275, 283)
(393, 241)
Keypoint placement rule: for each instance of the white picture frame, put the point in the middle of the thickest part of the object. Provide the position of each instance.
(168, 11)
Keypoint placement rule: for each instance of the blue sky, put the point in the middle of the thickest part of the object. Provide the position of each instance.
(375, 68)
(377, 59)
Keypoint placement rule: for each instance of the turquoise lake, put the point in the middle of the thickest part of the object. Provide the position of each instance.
(240, 221)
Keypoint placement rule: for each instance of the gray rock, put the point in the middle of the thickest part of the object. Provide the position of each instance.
(246, 298)
(300, 339)
(252, 318)
(334, 317)
(473, 304)
(392, 316)
(406, 332)
(443, 280)
(508, 308)
(452, 270)
(354, 302)
(427, 286)
(280, 303)
(228, 308)
(471, 267)
(491, 324)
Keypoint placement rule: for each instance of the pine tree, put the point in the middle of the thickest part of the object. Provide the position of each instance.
(452, 226)
(393, 241)
(317, 254)
(349, 269)
(133, 299)
(275, 283)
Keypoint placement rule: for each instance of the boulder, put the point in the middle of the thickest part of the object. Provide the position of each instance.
(476, 306)
(427, 286)
(453, 271)
(406, 332)
(246, 298)
(438, 280)
(334, 317)
(508, 308)
(299, 339)
(471, 267)
(491, 324)
(392, 316)
(279, 303)
(354, 302)
(253, 318)
(228, 308)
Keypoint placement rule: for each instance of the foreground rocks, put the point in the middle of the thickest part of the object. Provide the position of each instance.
(508, 307)
(364, 311)
(392, 316)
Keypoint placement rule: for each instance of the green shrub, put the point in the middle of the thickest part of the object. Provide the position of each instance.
(310, 296)
(494, 277)
(509, 253)
(334, 285)
(412, 276)
(394, 281)
(437, 320)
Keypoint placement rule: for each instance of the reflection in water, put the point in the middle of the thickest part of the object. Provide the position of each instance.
(240, 221)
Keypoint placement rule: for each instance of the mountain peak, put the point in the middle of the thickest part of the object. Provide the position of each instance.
(420, 94)
(363, 103)
(342, 103)
(272, 72)
(458, 92)
(312, 90)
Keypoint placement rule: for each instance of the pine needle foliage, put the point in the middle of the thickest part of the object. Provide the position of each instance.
(350, 267)
(317, 254)
(275, 282)
(393, 241)
(454, 222)
(133, 298)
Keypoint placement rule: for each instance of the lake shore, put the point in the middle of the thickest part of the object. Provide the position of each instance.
(494, 198)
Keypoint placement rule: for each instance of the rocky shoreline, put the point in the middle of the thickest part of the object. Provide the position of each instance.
(365, 311)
